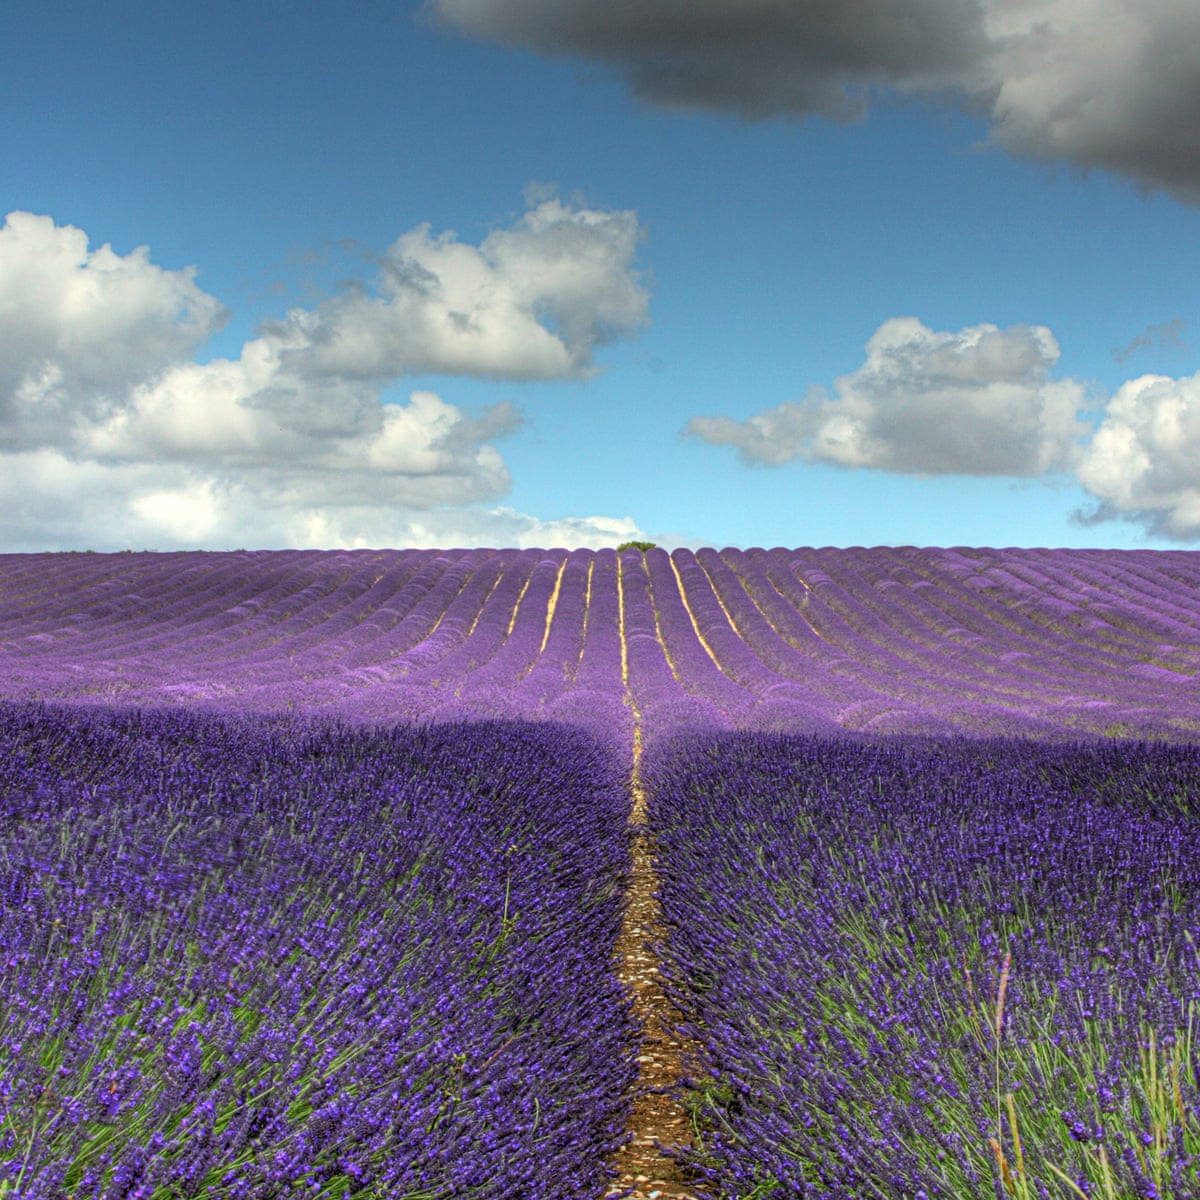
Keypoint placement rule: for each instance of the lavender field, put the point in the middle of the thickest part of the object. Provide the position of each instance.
(254, 958)
(1037, 642)
(936, 967)
(313, 865)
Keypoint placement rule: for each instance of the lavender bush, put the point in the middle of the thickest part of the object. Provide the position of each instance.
(929, 968)
(270, 958)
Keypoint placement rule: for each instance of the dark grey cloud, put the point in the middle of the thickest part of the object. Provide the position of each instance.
(1111, 84)
(775, 57)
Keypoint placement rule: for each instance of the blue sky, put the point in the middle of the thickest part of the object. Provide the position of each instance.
(536, 273)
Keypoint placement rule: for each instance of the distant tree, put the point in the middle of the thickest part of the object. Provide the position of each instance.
(642, 546)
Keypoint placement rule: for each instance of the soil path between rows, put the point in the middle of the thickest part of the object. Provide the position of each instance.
(657, 1116)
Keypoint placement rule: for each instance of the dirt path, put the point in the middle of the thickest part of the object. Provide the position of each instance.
(657, 1117)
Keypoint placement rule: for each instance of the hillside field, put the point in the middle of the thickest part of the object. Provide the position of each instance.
(313, 865)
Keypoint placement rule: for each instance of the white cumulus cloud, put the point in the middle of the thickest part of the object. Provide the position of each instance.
(504, 526)
(80, 328)
(976, 402)
(1143, 464)
(48, 501)
(532, 301)
(110, 432)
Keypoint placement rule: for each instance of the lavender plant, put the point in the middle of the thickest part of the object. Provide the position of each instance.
(933, 968)
(267, 958)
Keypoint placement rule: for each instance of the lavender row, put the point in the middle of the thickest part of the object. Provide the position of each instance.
(1000, 661)
(945, 641)
(879, 640)
(264, 958)
(1106, 597)
(936, 968)
(670, 681)
(928, 675)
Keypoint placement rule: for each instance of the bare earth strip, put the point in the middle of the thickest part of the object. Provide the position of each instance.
(657, 1117)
